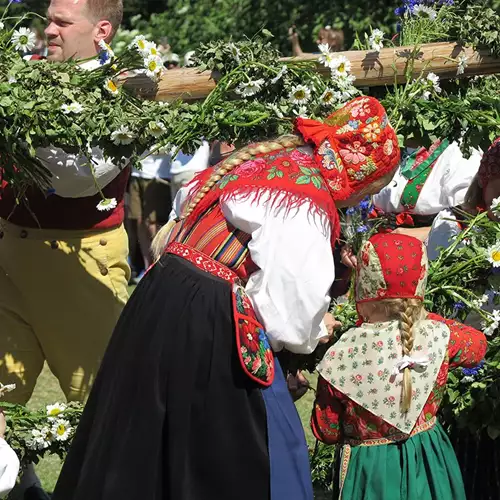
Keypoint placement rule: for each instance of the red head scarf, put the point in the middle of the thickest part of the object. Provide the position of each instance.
(355, 146)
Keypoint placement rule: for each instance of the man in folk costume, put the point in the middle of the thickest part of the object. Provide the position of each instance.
(205, 412)
(63, 262)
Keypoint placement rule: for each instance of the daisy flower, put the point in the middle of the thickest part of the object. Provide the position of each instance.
(493, 254)
(111, 87)
(326, 58)
(495, 207)
(61, 430)
(140, 43)
(424, 11)
(107, 204)
(74, 107)
(156, 129)
(1, 25)
(55, 409)
(341, 66)
(122, 136)
(434, 81)
(154, 66)
(376, 40)
(4, 389)
(282, 72)
(301, 112)
(300, 94)
(251, 88)
(462, 64)
(23, 39)
(151, 50)
(330, 97)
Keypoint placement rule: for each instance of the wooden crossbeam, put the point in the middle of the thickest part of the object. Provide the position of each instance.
(370, 68)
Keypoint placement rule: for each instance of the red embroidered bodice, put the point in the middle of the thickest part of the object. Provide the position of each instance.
(336, 417)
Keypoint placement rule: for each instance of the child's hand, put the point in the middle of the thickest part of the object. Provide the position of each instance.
(297, 385)
(3, 424)
(331, 325)
(347, 257)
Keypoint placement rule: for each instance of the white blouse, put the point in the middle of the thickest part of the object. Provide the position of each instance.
(444, 229)
(290, 291)
(9, 468)
(445, 187)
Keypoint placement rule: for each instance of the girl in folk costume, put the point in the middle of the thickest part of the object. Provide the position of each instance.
(382, 383)
(190, 402)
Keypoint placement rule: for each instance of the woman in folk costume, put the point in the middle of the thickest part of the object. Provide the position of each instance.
(478, 454)
(190, 402)
(382, 383)
(428, 181)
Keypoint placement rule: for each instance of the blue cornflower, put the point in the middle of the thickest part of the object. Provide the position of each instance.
(362, 229)
(350, 211)
(472, 372)
(458, 306)
(103, 57)
(365, 204)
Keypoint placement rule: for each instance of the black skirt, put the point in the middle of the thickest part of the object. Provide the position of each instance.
(172, 414)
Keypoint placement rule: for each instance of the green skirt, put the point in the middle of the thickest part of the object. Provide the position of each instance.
(424, 467)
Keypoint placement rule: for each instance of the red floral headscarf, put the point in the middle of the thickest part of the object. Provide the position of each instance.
(355, 146)
(391, 266)
(490, 164)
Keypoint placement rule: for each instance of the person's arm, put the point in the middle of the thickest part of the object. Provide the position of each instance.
(9, 463)
(326, 414)
(467, 346)
(294, 255)
(421, 233)
(294, 39)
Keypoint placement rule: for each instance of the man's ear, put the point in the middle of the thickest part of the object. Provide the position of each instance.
(103, 31)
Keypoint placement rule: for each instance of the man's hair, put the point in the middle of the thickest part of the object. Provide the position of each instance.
(106, 10)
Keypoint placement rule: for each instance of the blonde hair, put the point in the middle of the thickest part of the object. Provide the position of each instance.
(236, 159)
(106, 10)
(407, 312)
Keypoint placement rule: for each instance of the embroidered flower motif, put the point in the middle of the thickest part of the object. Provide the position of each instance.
(251, 168)
(329, 159)
(372, 131)
(361, 110)
(354, 153)
(388, 147)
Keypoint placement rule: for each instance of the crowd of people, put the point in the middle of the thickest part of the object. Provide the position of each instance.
(185, 396)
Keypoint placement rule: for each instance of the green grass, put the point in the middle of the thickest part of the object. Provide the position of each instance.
(47, 391)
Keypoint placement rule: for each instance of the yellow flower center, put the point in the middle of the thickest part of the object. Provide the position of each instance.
(23, 40)
(154, 52)
(54, 412)
(112, 86)
(342, 68)
(496, 255)
(152, 66)
(61, 430)
(300, 94)
(141, 44)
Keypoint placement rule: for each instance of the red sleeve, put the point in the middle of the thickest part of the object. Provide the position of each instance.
(327, 411)
(467, 345)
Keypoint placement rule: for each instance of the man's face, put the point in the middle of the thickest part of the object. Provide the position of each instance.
(71, 33)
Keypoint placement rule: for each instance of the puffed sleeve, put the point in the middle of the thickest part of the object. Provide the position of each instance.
(9, 468)
(292, 249)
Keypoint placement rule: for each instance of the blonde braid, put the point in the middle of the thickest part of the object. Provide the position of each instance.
(408, 315)
(241, 156)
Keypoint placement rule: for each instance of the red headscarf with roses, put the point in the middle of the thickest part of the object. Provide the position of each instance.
(355, 146)
(490, 164)
(391, 266)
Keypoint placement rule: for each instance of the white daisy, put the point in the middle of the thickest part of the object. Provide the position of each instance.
(491, 328)
(496, 315)
(41, 439)
(61, 430)
(493, 254)
(2, 26)
(156, 129)
(151, 50)
(434, 81)
(324, 48)
(4, 389)
(495, 207)
(154, 67)
(426, 95)
(282, 72)
(122, 136)
(330, 97)
(107, 48)
(23, 39)
(341, 66)
(300, 94)
(107, 204)
(462, 64)
(55, 409)
(248, 89)
(140, 43)
(301, 112)
(111, 86)
(480, 301)
(376, 40)
(424, 11)
(74, 107)
(276, 110)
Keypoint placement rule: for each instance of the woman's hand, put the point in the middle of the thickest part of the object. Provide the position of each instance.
(331, 325)
(347, 257)
(297, 385)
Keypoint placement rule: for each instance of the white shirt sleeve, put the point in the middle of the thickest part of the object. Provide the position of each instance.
(290, 290)
(444, 229)
(9, 468)
(72, 175)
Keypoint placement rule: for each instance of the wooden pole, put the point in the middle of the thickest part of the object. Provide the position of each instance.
(371, 69)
